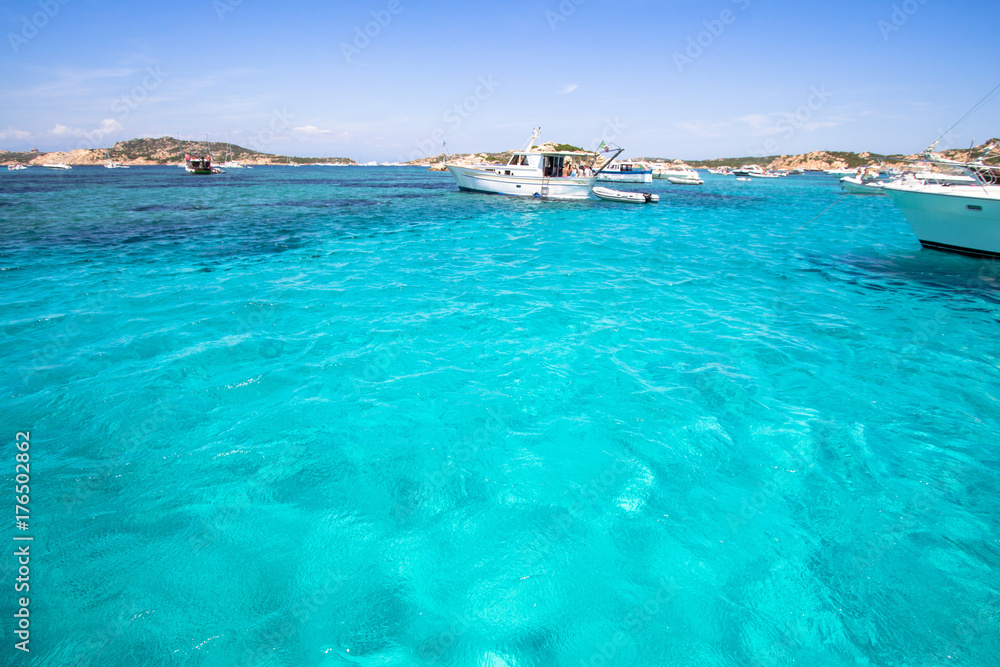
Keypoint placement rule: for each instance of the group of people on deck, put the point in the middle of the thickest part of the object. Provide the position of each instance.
(570, 170)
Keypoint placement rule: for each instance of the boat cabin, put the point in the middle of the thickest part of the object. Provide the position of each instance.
(550, 164)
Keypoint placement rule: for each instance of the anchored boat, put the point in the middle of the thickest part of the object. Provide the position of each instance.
(954, 217)
(627, 172)
(198, 165)
(550, 174)
(628, 197)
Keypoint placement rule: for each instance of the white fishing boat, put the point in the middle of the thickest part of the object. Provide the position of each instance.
(749, 170)
(550, 174)
(627, 172)
(15, 167)
(627, 197)
(57, 165)
(958, 218)
(678, 174)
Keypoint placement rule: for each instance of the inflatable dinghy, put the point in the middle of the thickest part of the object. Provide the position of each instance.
(630, 197)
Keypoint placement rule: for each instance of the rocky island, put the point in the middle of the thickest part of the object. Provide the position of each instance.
(161, 151)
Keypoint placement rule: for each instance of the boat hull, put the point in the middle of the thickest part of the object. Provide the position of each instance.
(480, 180)
(626, 177)
(949, 218)
(680, 180)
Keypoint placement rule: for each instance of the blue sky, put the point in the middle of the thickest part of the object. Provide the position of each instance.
(676, 78)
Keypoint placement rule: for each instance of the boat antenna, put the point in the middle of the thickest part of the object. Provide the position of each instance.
(979, 105)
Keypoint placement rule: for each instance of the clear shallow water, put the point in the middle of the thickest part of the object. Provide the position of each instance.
(353, 416)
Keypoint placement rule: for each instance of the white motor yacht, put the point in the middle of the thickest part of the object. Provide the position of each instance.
(678, 174)
(531, 173)
(627, 172)
(749, 170)
(958, 218)
(57, 165)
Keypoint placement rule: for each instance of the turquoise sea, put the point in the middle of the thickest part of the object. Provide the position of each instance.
(354, 416)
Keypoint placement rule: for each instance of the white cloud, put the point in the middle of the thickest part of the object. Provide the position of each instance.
(109, 125)
(568, 88)
(11, 133)
(310, 129)
(63, 131)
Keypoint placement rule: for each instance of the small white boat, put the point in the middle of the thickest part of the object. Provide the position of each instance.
(743, 178)
(15, 167)
(721, 171)
(766, 174)
(57, 165)
(627, 172)
(111, 164)
(863, 182)
(678, 174)
(628, 197)
(841, 172)
(859, 185)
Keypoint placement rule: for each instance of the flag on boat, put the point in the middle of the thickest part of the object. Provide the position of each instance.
(604, 148)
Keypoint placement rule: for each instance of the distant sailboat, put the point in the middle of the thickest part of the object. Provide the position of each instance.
(230, 163)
